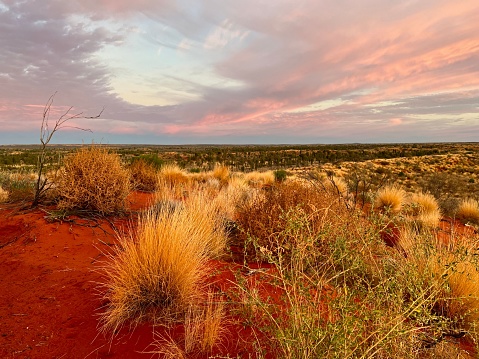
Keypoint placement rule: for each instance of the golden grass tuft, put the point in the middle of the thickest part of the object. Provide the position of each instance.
(158, 270)
(335, 185)
(426, 209)
(3, 195)
(450, 273)
(390, 198)
(468, 210)
(93, 179)
(258, 179)
(221, 173)
(173, 175)
(204, 325)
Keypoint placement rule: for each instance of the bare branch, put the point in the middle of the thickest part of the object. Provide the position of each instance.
(46, 135)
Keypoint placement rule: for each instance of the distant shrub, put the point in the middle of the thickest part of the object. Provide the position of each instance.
(152, 160)
(468, 210)
(390, 198)
(144, 176)
(93, 179)
(280, 175)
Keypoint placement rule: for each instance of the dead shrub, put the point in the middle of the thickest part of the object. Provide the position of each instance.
(144, 176)
(265, 215)
(93, 179)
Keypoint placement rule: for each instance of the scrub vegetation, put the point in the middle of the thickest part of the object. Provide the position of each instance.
(354, 259)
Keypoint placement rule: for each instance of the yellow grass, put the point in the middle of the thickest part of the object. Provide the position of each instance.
(259, 178)
(335, 185)
(390, 198)
(173, 175)
(450, 271)
(159, 269)
(204, 325)
(3, 195)
(426, 209)
(468, 210)
(221, 173)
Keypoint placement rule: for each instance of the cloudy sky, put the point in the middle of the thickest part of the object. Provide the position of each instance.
(249, 71)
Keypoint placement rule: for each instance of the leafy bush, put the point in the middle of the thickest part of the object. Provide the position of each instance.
(280, 175)
(152, 160)
(93, 179)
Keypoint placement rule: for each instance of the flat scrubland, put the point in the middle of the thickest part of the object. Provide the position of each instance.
(347, 251)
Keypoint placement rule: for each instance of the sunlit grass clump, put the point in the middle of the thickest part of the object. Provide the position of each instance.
(173, 175)
(221, 173)
(390, 199)
(3, 195)
(159, 268)
(257, 179)
(425, 208)
(468, 210)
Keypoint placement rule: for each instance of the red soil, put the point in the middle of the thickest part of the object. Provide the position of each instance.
(49, 298)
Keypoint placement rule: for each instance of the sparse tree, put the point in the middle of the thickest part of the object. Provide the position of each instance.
(46, 133)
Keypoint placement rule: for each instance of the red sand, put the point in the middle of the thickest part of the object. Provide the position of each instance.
(49, 299)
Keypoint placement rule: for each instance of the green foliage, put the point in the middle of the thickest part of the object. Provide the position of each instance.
(280, 175)
(151, 159)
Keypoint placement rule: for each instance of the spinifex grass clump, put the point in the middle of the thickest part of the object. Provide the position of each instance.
(159, 269)
(390, 199)
(468, 210)
(425, 209)
(452, 270)
(17, 186)
(3, 195)
(93, 179)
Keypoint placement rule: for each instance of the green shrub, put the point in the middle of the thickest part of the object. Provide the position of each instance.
(280, 175)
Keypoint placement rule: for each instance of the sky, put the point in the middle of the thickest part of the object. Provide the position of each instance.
(240, 72)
